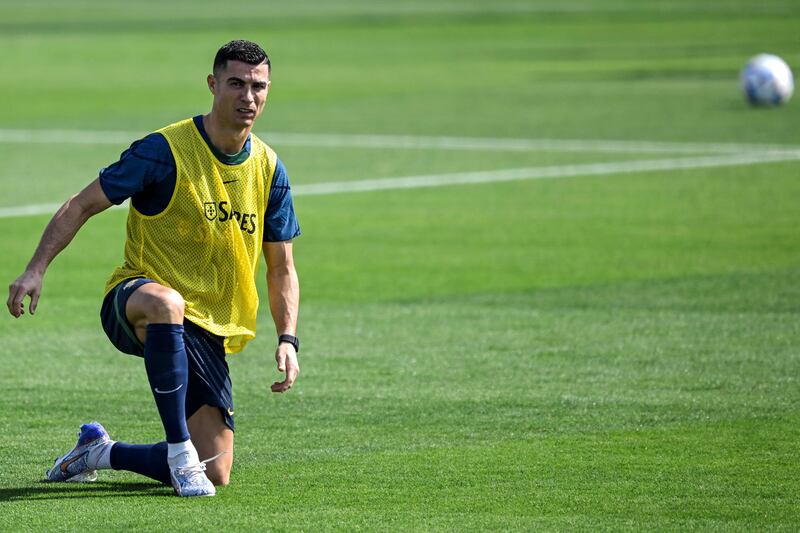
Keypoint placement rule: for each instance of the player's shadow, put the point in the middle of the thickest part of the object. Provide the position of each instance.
(99, 489)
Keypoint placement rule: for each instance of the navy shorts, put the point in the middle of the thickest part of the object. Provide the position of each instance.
(209, 378)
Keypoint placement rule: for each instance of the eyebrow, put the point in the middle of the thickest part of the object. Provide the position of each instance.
(254, 82)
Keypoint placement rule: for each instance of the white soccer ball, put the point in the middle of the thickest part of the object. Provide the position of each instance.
(767, 80)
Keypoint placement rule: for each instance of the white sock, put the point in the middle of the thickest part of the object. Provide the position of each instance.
(99, 457)
(181, 454)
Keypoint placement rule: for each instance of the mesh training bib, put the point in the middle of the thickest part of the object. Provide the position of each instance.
(206, 243)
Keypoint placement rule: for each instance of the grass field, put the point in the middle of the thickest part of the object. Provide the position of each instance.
(559, 335)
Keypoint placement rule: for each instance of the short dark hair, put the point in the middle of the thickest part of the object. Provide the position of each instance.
(241, 50)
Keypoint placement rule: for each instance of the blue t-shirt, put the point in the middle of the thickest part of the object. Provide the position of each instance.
(146, 174)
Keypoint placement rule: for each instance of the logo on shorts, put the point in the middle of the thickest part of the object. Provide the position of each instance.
(230, 411)
(210, 210)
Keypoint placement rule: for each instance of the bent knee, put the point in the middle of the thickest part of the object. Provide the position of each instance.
(166, 306)
(218, 475)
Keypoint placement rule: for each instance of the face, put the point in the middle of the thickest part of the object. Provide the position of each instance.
(240, 92)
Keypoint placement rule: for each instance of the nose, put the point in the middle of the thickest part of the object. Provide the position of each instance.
(247, 94)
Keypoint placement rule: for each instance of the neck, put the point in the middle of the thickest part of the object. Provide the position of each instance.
(226, 139)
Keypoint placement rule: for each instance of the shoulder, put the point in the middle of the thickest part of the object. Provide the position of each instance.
(268, 157)
(280, 222)
(151, 149)
(279, 177)
(280, 191)
(153, 146)
(184, 124)
(179, 135)
(148, 161)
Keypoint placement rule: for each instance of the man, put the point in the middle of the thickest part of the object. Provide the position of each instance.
(207, 197)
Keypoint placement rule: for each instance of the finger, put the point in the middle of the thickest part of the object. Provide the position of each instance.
(12, 290)
(280, 357)
(19, 306)
(34, 301)
(19, 300)
(15, 302)
(279, 386)
(291, 374)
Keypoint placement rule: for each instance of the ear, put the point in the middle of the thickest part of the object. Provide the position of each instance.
(212, 84)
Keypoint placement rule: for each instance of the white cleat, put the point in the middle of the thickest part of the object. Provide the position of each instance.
(191, 480)
(73, 466)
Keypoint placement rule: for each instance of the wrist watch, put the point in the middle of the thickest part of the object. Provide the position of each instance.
(291, 339)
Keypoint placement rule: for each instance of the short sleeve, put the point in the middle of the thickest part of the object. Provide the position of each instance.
(145, 163)
(280, 223)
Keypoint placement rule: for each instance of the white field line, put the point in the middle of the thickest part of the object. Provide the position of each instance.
(493, 176)
(28, 210)
(560, 171)
(515, 145)
(124, 138)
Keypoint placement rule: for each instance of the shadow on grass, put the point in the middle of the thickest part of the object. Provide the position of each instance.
(44, 490)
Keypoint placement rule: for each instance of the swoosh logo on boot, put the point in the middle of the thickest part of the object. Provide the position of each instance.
(65, 464)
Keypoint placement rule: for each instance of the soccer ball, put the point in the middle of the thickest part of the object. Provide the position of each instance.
(767, 80)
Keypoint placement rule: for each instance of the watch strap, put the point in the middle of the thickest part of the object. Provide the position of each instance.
(291, 339)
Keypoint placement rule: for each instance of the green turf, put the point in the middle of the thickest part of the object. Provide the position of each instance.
(614, 352)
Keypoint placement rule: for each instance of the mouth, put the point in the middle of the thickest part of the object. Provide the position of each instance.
(246, 111)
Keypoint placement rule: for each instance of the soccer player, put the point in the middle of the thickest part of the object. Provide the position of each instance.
(207, 197)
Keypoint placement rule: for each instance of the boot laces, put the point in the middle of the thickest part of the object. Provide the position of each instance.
(197, 468)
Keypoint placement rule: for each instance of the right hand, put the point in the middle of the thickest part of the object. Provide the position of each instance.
(28, 284)
(286, 357)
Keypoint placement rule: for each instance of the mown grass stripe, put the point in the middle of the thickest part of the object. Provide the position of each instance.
(412, 142)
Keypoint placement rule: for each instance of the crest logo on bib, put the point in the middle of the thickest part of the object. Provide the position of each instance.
(211, 210)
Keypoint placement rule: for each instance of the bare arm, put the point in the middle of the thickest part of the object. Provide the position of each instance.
(57, 235)
(284, 301)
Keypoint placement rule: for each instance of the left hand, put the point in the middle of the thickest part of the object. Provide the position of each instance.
(286, 357)
(28, 284)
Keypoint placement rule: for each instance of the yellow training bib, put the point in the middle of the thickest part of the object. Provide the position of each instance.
(206, 243)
